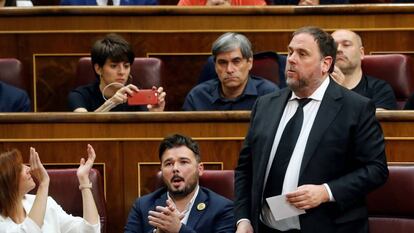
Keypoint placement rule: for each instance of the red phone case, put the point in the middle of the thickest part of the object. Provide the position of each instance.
(143, 97)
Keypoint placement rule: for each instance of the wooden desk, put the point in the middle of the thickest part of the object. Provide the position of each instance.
(50, 40)
(127, 144)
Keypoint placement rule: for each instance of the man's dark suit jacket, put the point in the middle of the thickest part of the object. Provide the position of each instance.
(345, 149)
(13, 99)
(217, 216)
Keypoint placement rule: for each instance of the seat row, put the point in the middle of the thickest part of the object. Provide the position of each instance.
(389, 207)
(396, 69)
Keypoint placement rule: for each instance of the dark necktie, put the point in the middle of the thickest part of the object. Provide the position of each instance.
(284, 152)
(110, 3)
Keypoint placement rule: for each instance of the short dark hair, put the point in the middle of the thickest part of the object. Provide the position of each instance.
(177, 140)
(326, 43)
(112, 47)
(230, 41)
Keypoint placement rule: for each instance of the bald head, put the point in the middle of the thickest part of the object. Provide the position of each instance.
(348, 34)
(350, 50)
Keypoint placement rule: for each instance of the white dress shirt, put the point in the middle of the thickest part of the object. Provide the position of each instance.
(105, 2)
(56, 221)
(189, 206)
(290, 182)
(24, 3)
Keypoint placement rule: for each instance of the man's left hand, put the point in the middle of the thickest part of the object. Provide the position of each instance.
(308, 196)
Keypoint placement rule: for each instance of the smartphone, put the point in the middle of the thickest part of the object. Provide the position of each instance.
(143, 97)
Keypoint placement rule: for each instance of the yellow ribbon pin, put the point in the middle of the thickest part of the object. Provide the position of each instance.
(201, 206)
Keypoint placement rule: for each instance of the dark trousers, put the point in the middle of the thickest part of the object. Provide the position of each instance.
(265, 229)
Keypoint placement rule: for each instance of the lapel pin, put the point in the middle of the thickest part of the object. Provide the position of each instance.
(201, 206)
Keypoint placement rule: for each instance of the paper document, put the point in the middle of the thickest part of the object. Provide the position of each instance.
(282, 209)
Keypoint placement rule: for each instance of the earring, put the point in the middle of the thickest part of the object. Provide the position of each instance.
(130, 78)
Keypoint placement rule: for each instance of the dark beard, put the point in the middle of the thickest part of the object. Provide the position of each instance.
(177, 194)
(184, 192)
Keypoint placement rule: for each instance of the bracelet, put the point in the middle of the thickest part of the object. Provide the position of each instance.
(85, 186)
(110, 105)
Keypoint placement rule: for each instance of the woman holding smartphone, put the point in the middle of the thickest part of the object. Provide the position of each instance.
(112, 58)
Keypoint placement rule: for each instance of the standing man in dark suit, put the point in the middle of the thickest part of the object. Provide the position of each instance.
(183, 206)
(336, 157)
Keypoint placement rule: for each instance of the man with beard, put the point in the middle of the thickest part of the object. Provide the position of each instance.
(234, 89)
(348, 72)
(316, 143)
(182, 206)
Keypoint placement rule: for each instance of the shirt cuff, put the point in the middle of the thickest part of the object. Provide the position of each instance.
(331, 197)
(241, 220)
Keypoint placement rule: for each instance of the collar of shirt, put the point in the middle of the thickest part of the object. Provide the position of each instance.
(250, 89)
(189, 205)
(105, 2)
(317, 94)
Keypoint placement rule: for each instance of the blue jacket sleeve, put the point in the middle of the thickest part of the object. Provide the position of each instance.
(135, 220)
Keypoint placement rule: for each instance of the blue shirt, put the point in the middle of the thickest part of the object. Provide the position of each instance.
(13, 99)
(207, 96)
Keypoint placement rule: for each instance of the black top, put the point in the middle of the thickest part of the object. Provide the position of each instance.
(379, 91)
(13, 99)
(10, 3)
(90, 98)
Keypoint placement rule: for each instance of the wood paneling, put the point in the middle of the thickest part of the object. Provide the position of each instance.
(180, 74)
(181, 36)
(127, 144)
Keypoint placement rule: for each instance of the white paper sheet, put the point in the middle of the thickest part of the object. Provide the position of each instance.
(282, 209)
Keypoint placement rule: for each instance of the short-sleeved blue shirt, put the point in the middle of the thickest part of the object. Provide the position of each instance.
(206, 96)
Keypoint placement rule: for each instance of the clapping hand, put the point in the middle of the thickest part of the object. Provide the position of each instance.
(85, 166)
(36, 168)
(166, 219)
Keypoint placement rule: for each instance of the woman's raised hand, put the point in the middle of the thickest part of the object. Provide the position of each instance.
(36, 168)
(85, 166)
